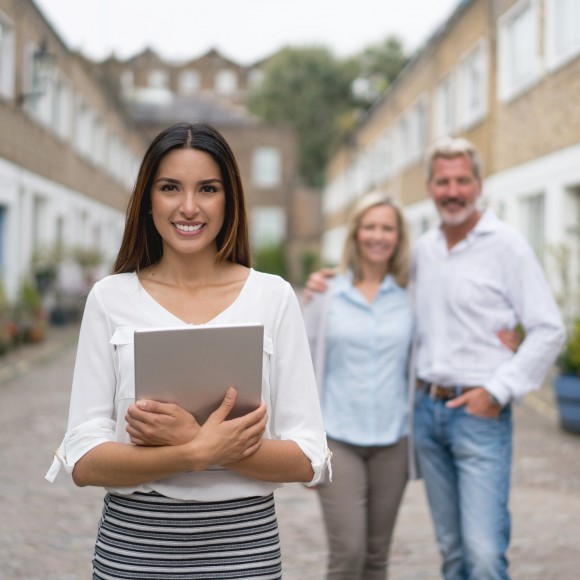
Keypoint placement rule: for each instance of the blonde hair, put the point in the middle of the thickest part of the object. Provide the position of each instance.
(448, 148)
(398, 265)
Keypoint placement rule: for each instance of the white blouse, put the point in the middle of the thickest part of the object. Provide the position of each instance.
(104, 381)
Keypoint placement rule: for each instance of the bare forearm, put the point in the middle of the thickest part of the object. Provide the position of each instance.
(275, 461)
(124, 465)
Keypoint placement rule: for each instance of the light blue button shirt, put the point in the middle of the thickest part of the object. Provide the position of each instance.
(366, 363)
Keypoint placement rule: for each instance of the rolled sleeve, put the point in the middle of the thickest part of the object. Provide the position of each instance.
(92, 417)
(78, 442)
(296, 413)
(532, 300)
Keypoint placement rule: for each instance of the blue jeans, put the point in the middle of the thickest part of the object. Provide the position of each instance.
(465, 461)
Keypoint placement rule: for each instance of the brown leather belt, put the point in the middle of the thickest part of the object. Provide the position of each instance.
(441, 393)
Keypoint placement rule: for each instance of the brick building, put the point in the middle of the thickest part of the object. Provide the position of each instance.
(68, 150)
(72, 132)
(506, 75)
(214, 89)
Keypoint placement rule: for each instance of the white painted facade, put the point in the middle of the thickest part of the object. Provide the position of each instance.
(37, 212)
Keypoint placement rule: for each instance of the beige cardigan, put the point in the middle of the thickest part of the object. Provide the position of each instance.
(315, 313)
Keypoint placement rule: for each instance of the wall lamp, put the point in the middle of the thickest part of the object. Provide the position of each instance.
(43, 62)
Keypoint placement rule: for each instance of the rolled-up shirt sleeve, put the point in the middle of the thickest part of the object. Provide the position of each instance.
(536, 309)
(92, 417)
(295, 413)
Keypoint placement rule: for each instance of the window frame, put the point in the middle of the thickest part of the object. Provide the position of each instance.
(508, 87)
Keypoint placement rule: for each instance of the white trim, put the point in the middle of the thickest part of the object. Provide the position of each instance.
(477, 55)
(508, 88)
(18, 189)
(7, 60)
(554, 60)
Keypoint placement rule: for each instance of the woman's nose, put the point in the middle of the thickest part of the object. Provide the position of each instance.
(189, 204)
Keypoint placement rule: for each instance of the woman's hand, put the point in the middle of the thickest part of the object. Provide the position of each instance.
(221, 441)
(510, 338)
(151, 424)
(318, 282)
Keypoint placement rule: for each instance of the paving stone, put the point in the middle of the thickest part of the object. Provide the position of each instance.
(47, 531)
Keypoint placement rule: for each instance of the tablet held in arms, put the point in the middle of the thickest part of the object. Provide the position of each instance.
(194, 365)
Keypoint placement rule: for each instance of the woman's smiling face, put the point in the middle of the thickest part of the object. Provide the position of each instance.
(378, 235)
(188, 201)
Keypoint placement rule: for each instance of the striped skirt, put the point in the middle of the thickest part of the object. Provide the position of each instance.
(155, 537)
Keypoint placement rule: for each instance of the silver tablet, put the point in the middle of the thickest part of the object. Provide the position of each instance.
(193, 366)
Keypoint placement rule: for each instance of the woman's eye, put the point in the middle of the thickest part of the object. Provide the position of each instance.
(209, 189)
(168, 187)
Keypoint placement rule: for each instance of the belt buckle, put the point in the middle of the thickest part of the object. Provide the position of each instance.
(433, 391)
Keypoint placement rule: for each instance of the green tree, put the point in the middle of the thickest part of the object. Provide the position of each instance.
(379, 65)
(310, 90)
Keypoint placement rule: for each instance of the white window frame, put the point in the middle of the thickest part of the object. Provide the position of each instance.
(444, 106)
(412, 130)
(268, 226)
(62, 107)
(509, 87)
(226, 81)
(158, 79)
(127, 82)
(189, 82)
(533, 207)
(556, 58)
(266, 167)
(7, 64)
(475, 60)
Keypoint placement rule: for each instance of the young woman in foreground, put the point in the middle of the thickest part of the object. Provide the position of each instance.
(184, 500)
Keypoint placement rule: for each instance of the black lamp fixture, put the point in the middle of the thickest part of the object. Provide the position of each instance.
(43, 62)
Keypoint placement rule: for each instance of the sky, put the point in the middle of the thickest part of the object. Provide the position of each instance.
(243, 30)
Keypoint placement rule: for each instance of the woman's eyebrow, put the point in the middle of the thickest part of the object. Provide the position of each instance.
(168, 179)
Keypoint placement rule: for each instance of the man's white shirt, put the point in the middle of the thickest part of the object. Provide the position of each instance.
(463, 297)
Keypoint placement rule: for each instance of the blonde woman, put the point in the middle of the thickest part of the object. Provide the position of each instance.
(360, 333)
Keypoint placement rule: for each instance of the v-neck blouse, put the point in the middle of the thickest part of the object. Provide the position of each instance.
(171, 319)
(104, 380)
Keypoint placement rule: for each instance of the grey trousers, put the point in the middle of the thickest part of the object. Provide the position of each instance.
(360, 508)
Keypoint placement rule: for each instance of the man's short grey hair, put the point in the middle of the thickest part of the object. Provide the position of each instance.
(448, 148)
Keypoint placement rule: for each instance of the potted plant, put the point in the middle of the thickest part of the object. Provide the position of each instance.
(567, 382)
(29, 314)
(5, 322)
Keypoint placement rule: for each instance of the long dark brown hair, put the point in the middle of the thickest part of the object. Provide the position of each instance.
(142, 245)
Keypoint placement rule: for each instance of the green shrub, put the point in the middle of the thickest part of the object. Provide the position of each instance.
(271, 259)
(569, 360)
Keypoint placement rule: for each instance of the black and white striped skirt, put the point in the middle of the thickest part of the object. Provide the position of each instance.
(155, 537)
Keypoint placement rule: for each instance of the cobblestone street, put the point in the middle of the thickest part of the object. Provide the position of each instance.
(47, 531)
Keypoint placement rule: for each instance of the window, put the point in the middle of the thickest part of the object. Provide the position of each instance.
(226, 82)
(413, 132)
(332, 243)
(127, 83)
(2, 240)
(61, 103)
(473, 74)
(6, 58)
(445, 107)
(519, 61)
(100, 142)
(571, 245)
(533, 215)
(189, 82)
(563, 31)
(266, 167)
(38, 86)
(255, 78)
(158, 79)
(84, 127)
(268, 226)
